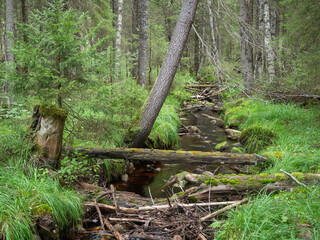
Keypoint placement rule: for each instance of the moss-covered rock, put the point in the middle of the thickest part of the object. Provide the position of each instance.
(224, 146)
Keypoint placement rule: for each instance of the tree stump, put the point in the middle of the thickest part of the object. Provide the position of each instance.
(48, 124)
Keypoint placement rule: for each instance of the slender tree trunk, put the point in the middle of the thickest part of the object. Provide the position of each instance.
(246, 19)
(215, 52)
(168, 70)
(268, 42)
(143, 43)
(134, 41)
(118, 41)
(260, 46)
(196, 53)
(24, 17)
(8, 46)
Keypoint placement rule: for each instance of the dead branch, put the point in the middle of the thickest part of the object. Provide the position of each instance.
(212, 215)
(112, 208)
(113, 230)
(293, 178)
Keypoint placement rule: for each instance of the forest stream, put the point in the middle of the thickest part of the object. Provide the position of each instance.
(206, 137)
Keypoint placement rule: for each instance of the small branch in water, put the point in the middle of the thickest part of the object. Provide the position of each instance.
(150, 195)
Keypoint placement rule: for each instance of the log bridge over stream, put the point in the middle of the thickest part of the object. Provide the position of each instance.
(168, 156)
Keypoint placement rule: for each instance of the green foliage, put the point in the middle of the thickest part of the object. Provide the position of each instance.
(24, 197)
(289, 215)
(212, 182)
(255, 138)
(77, 168)
(165, 131)
(103, 113)
(55, 57)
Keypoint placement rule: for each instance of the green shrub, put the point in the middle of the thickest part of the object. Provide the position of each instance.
(255, 138)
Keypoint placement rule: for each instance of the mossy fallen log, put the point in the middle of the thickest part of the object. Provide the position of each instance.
(168, 156)
(229, 186)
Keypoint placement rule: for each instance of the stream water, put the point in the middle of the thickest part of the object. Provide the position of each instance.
(153, 176)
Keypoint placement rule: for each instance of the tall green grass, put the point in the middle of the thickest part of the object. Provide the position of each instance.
(289, 215)
(296, 145)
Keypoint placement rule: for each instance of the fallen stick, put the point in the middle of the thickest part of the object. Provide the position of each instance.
(212, 215)
(114, 199)
(208, 116)
(294, 179)
(99, 214)
(127, 220)
(186, 205)
(113, 230)
(112, 208)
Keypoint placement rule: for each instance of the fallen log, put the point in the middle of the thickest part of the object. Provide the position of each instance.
(168, 156)
(231, 186)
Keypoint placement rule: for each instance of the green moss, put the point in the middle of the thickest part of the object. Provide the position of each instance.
(41, 210)
(280, 176)
(267, 180)
(212, 182)
(53, 111)
(229, 181)
(192, 198)
(299, 176)
(263, 174)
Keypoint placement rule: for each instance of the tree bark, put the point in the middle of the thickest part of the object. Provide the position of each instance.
(118, 41)
(268, 42)
(246, 19)
(214, 51)
(48, 124)
(143, 43)
(9, 41)
(260, 46)
(134, 40)
(169, 156)
(168, 70)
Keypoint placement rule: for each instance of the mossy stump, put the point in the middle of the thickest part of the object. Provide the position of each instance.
(48, 124)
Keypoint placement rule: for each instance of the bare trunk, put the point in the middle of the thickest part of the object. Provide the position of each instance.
(168, 70)
(134, 41)
(118, 41)
(196, 53)
(143, 43)
(215, 52)
(246, 19)
(8, 46)
(260, 46)
(268, 42)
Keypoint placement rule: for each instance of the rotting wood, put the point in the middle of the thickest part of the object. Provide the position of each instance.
(158, 207)
(112, 208)
(216, 213)
(127, 220)
(113, 230)
(190, 157)
(236, 185)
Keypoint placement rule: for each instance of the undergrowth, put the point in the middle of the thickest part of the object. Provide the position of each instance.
(288, 215)
(287, 133)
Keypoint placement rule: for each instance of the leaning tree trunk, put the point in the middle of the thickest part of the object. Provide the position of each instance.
(118, 41)
(168, 70)
(246, 19)
(8, 46)
(268, 42)
(47, 126)
(143, 43)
